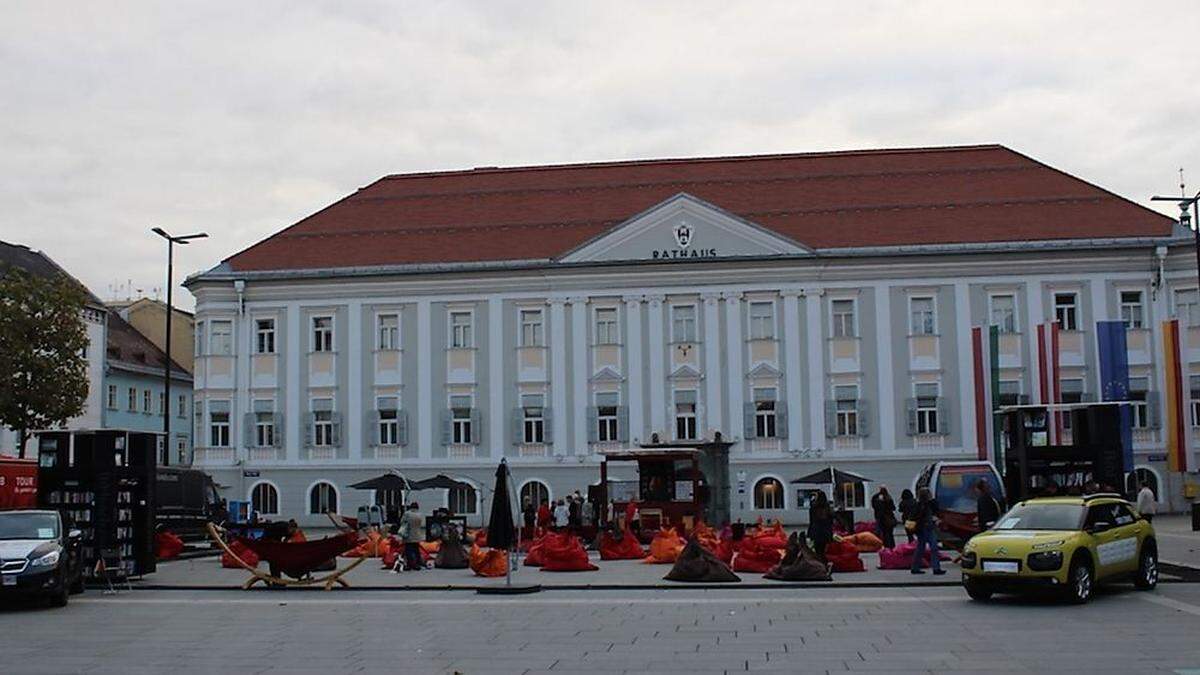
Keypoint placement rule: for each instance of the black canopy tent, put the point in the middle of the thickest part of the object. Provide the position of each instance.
(830, 476)
(391, 480)
(439, 482)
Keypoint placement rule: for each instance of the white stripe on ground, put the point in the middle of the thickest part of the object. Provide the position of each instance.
(443, 602)
(1173, 604)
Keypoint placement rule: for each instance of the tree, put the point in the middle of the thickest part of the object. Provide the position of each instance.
(43, 369)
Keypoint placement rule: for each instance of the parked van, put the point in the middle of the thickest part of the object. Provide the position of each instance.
(953, 486)
(187, 500)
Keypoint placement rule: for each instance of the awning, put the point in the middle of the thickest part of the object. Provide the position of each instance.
(831, 476)
(388, 481)
(439, 482)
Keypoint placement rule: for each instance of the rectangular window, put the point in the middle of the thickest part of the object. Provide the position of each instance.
(531, 328)
(146, 401)
(322, 333)
(1187, 307)
(534, 423)
(322, 422)
(1070, 391)
(199, 339)
(221, 340)
(762, 320)
(606, 326)
(606, 417)
(264, 429)
(843, 318)
(460, 419)
(1131, 309)
(460, 330)
(764, 413)
(182, 410)
(1066, 311)
(927, 395)
(264, 336)
(1004, 312)
(218, 424)
(389, 332)
(846, 402)
(389, 420)
(162, 403)
(685, 415)
(683, 323)
(921, 311)
(1010, 392)
(1138, 386)
(132, 399)
(112, 397)
(1194, 381)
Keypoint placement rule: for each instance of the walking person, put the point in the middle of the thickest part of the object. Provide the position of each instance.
(562, 517)
(987, 507)
(410, 534)
(908, 509)
(927, 536)
(573, 513)
(885, 516)
(820, 523)
(1147, 505)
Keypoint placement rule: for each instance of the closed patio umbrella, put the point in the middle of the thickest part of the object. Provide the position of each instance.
(501, 531)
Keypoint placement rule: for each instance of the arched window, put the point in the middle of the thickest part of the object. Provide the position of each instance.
(536, 491)
(322, 498)
(265, 499)
(1139, 477)
(768, 494)
(463, 501)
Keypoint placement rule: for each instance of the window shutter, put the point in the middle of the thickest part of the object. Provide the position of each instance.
(476, 426)
(863, 406)
(748, 428)
(1022, 399)
(277, 420)
(309, 420)
(336, 418)
(402, 427)
(447, 436)
(910, 414)
(372, 430)
(831, 419)
(593, 421)
(781, 424)
(547, 425)
(943, 416)
(518, 426)
(1152, 417)
(623, 424)
(248, 430)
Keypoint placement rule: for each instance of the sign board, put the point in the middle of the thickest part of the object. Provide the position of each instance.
(250, 474)
(741, 481)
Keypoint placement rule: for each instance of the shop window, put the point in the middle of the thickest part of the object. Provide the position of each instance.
(768, 494)
(322, 498)
(264, 498)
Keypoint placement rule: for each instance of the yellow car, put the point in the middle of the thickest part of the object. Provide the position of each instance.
(1064, 543)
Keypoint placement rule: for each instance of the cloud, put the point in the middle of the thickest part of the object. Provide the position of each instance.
(240, 118)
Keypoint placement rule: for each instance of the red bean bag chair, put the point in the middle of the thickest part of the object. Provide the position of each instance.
(901, 557)
(566, 554)
(665, 547)
(167, 545)
(865, 542)
(724, 551)
(625, 548)
(491, 562)
(752, 556)
(536, 556)
(771, 537)
(242, 551)
(843, 557)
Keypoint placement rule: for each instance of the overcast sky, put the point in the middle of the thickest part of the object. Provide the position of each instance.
(239, 119)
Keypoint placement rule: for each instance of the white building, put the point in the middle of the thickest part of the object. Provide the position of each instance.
(813, 308)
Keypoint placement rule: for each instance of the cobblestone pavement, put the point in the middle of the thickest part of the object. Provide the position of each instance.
(898, 630)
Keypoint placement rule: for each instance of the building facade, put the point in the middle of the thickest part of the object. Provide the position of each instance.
(148, 316)
(814, 309)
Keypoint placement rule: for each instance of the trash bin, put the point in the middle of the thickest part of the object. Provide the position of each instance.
(1195, 516)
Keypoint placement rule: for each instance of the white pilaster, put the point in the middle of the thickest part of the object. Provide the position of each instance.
(886, 405)
(296, 351)
(816, 366)
(735, 349)
(242, 346)
(579, 372)
(558, 372)
(794, 396)
(712, 364)
(658, 381)
(966, 364)
(1098, 286)
(633, 349)
(496, 356)
(353, 417)
(1158, 311)
(425, 356)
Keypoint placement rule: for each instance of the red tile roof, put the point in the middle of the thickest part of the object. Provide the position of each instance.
(968, 194)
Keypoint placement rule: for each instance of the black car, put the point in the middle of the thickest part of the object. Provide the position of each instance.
(39, 556)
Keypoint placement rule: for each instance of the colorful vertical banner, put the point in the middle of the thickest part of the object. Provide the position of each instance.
(1049, 380)
(1114, 379)
(1177, 428)
(986, 355)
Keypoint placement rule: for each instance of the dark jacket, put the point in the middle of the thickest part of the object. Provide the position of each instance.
(885, 510)
(988, 509)
(926, 512)
(908, 508)
(820, 523)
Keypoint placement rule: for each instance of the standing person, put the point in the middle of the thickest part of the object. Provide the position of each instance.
(927, 537)
(544, 516)
(908, 509)
(574, 517)
(820, 523)
(633, 518)
(528, 517)
(410, 532)
(885, 516)
(987, 507)
(1147, 505)
(562, 517)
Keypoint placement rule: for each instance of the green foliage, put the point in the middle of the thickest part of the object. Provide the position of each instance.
(43, 372)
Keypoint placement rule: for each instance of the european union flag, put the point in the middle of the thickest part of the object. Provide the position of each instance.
(1114, 379)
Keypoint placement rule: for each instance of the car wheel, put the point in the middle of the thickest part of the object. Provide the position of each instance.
(1147, 574)
(1080, 582)
(977, 591)
(61, 597)
(77, 585)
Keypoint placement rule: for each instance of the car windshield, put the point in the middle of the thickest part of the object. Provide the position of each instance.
(1042, 517)
(28, 526)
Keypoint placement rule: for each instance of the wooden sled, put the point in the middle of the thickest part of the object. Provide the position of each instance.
(305, 561)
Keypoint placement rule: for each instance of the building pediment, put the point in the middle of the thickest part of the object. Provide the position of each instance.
(684, 228)
(764, 370)
(685, 372)
(606, 374)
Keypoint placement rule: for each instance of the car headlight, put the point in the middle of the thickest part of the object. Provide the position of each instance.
(1047, 544)
(48, 560)
(1045, 561)
(969, 560)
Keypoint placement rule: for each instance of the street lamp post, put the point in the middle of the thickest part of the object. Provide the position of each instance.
(171, 241)
(1189, 221)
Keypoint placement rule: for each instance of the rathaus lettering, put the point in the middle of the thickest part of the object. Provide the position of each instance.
(666, 254)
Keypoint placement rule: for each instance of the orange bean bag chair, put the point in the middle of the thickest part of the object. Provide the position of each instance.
(167, 545)
(536, 555)
(491, 562)
(843, 557)
(367, 547)
(390, 550)
(665, 548)
(865, 542)
(478, 537)
(625, 548)
(753, 556)
(566, 554)
(242, 551)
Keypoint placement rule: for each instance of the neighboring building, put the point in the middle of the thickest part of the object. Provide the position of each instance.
(94, 316)
(148, 316)
(133, 390)
(814, 309)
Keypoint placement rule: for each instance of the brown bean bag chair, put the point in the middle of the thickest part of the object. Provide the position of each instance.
(490, 562)
(622, 546)
(799, 564)
(865, 542)
(694, 564)
(753, 556)
(451, 555)
(565, 554)
(665, 547)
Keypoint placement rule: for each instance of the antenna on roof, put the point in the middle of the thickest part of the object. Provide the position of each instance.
(1182, 185)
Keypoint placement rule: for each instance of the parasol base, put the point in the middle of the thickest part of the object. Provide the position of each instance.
(515, 589)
